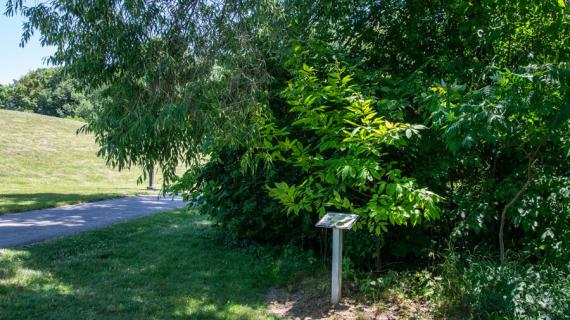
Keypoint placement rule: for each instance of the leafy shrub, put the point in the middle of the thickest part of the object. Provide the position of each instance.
(420, 285)
(341, 147)
(477, 288)
(509, 137)
(516, 291)
(492, 95)
(332, 151)
(237, 200)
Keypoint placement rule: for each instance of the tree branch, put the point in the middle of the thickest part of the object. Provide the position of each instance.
(531, 161)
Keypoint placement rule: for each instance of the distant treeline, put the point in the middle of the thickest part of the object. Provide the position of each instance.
(47, 91)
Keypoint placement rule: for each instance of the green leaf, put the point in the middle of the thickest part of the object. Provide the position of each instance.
(308, 69)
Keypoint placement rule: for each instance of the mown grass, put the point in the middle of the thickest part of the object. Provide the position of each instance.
(44, 163)
(171, 265)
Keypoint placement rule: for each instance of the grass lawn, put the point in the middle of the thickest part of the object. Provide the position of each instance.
(44, 163)
(171, 265)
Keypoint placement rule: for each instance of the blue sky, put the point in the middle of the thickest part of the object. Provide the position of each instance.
(16, 61)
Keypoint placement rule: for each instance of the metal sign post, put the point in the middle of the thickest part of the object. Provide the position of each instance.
(338, 222)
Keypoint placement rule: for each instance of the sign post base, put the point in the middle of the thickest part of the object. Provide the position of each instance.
(336, 287)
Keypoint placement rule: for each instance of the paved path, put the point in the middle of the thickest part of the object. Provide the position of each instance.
(33, 226)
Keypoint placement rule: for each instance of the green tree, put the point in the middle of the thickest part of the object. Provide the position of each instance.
(4, 94)
(49, 92)
(169, 74)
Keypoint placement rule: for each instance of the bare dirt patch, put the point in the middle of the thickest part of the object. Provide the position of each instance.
(313, 303)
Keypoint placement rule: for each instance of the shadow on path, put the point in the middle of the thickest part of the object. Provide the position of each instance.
(20, 202)
(39, 225)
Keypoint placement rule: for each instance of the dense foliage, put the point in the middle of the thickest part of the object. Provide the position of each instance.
(536, 292)
(49, 92)
(444, 124)
(340, 149)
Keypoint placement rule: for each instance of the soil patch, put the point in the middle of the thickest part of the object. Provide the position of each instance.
(313, 303)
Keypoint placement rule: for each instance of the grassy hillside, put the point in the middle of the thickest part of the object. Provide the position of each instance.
(44, 163)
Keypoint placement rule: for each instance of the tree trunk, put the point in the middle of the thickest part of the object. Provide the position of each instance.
(378, 254)
(151, 178)
(507, 207)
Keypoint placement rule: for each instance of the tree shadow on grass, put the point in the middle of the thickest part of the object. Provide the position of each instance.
(18, 202)
(166, 266)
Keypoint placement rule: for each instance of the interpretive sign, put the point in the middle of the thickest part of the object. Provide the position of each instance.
(338, 222)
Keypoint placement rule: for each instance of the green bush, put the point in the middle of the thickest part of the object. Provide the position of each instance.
(477, 288)
(488, 95)
(343, 148)
(237, 200)
(516, 291)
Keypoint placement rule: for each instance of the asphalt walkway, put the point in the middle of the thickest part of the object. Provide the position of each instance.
(23, 228)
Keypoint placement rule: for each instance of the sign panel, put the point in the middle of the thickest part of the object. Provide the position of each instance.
(337, 220)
